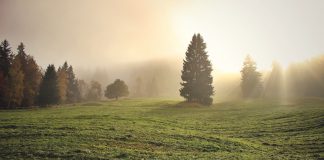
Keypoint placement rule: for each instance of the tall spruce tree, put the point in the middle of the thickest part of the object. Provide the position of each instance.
(73, 93)
(5, 62)
(48, 92)
(250, 79)
(5, 57)
(196, 73)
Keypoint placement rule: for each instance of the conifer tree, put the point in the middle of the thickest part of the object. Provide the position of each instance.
(196, 73)
(5, 57)
(48, 92)
(250, 79)
(73, 93)
(5, 62)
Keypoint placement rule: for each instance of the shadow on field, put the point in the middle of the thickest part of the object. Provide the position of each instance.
(91, 104)
(179, 108)
(186, 105)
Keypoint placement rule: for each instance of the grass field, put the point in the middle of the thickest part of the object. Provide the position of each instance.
(165, 129)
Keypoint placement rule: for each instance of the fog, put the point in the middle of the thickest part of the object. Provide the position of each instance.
(104, 33)
(166, 74)
(107, 39)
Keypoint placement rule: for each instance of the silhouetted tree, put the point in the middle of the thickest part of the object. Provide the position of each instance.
(5, 62)
(32, 76)
(73, 93)
(117, 89)
(251, 79)
(5, 57)
(196, 73)
(94, 92)
(48, 92)
(3, 87)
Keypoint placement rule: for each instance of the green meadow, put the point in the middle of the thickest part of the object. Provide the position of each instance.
(165, 129)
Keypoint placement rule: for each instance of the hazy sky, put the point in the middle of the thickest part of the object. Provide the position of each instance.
(102, 33)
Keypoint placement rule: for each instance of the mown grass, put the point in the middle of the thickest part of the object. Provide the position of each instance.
(165, 129)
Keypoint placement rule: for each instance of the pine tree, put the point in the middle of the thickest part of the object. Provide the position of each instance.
(48, 92)
(196, 73)
(250, 79)
(73, 93)
(5, 57)
(5, 62)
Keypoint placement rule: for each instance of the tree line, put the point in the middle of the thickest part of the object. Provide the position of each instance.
(23, 83)
(299, 80)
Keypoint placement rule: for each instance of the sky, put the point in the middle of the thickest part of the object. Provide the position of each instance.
(106, 33)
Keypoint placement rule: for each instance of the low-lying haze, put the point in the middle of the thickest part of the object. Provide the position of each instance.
(100, 33)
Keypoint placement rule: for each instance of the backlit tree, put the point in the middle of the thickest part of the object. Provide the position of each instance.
(196, 73)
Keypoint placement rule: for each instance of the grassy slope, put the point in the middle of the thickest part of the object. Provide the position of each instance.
(165, 129)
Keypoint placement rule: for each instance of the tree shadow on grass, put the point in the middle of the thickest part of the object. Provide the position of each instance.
(180, 108)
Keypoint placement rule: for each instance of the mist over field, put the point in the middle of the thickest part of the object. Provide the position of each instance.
(162, 79)
(168, 74)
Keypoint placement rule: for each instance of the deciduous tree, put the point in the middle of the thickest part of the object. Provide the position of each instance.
(32, 76)
(117, 89)
(62, 82)
(15, 88)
